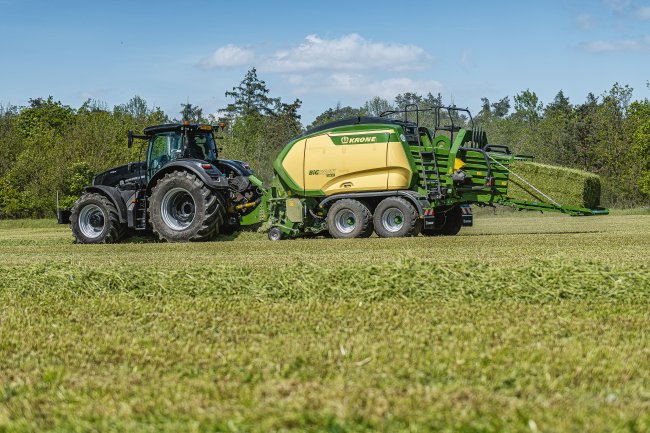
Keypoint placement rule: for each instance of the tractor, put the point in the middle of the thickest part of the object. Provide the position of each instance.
(182, 191)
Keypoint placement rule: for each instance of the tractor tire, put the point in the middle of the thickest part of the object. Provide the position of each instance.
(348, 219)
(94, 219)
(182, 208)
(396, 217)
(453, 221)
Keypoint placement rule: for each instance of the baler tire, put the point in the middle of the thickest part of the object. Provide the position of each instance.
(275, 234)
(83, 230)
(207, 209)
(452, 225)
(394, 208)
(361, 226)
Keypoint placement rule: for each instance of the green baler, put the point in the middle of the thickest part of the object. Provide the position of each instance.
(397, 178)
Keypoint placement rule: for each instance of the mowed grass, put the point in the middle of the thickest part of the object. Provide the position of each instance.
(522, 323)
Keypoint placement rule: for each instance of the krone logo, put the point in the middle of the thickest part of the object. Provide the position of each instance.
(357, 140)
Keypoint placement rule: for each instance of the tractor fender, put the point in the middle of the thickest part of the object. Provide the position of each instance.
(412, 196)
(239, 167)
(212, 177)
(113, 195)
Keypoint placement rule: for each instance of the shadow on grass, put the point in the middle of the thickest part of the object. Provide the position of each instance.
(150, 238)
(555, 232)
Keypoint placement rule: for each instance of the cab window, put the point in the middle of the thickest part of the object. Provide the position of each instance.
(164, 148)
(201, 146)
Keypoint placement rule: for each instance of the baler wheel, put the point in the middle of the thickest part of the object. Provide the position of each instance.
(275, 234)
(396, 217)
(349, 218)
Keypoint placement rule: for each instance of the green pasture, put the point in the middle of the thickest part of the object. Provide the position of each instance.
(522, 323)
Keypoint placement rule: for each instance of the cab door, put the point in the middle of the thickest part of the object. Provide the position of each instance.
(162, 148)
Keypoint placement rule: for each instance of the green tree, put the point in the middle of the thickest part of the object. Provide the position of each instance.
(638, 125)
(192, 113)
(527, 106)
(501, 108)
(337, 113)
(408, 98)
(251, 96)
(376, 106)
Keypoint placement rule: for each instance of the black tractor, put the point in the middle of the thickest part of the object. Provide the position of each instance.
(182, 191)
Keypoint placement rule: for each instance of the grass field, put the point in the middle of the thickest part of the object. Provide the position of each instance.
(519, 324)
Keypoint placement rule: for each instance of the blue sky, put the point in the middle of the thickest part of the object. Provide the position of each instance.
(321, 52)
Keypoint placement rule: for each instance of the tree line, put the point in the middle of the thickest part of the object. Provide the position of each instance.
(48, 147)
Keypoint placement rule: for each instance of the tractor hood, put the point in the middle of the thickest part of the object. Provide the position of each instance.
(128, 173)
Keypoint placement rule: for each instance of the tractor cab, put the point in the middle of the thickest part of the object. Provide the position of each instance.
(172, 142)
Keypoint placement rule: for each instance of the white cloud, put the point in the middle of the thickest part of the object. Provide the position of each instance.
(230, 56)
(641, 44)
(364, 87)
(348, 53)
(349, 66)
(617, 5)
(643, 13)
(585, 21)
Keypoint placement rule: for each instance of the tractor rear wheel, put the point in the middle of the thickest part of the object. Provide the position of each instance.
(94, 219)
(349, 218)
(396, 217)
(182, 208)
(452, 223)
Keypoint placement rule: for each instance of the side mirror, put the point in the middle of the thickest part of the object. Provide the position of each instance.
(130, 139)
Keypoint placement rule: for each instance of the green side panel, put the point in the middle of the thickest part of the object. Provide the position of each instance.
(412, 156)
(281, 172)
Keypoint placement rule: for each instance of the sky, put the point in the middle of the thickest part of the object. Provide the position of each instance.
(322, 52)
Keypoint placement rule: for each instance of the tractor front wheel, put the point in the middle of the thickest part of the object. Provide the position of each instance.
(182, 208)
(94, 220)
(349, 219)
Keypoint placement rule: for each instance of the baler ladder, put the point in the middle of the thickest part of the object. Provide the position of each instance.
(429, 167)
(428, 164)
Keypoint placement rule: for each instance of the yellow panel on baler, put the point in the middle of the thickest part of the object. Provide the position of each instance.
(400, 173)
(357, 163)
(294, 162)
